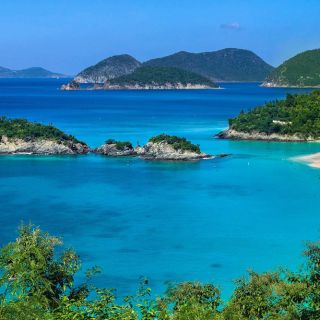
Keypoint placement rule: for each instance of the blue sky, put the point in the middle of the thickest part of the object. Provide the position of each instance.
(68, 35)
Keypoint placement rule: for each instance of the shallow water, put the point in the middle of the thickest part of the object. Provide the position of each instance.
(210, 220)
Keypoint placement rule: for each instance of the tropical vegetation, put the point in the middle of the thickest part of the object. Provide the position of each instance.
(298, 114)
(37, 282)
(303, 70)
(228, 64)
(144, 76)
(26, 130)
(176, 142)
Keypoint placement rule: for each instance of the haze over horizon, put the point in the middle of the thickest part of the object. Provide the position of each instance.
(69, 36)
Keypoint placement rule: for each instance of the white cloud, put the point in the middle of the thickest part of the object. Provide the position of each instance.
(231, 25)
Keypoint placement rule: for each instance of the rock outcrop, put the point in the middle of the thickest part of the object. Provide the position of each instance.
(165, 151)
(41, 147)
(114, 150)
(73, 85)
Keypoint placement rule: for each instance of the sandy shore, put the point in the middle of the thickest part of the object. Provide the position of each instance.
(313, 160)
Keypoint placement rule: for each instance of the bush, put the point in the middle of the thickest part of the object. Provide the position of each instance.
(176, 142)
(120, 145)
(38, 284)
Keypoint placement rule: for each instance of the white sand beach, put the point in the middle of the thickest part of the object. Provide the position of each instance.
(313, 160)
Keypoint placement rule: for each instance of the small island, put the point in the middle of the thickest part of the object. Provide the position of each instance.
(150, 78)
(115, 148)
(161, 147)
(294, 119)
(19, 136)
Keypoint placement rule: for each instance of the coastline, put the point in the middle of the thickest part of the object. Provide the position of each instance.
(259, 136)
(312, 160)
(277, 85)
(69, 87)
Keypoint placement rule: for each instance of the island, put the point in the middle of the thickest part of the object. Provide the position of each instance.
(226, 65)
(115, 148)
(161, 147)
(34, 72)
(301, 71)
(151, 78)
(295, 118)
(19, 136)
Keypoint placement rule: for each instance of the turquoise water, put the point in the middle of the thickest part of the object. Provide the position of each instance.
(209, 221)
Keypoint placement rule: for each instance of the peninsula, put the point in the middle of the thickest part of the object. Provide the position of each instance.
(18, 136)
(294, 119)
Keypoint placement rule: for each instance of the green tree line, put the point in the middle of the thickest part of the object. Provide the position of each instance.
(298, 114)
(38, 284)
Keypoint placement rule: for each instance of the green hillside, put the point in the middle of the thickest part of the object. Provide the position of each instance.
(222, 65)
(303, 70)
(161, 76)
(296, 115)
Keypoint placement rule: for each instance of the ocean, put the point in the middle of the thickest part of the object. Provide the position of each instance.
(210, 220)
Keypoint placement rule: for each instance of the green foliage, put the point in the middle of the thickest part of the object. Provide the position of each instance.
(225, 65)
(120, 145)
(302, 70)
(161, 76)
(296, 115)
(177, 143)
(23, 129)
(38, 284)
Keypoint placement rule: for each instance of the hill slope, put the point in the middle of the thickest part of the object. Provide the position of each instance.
(222, 65)
(34, 72)
(160, 78)
(294, 119)
(303, 70)
(107, 69)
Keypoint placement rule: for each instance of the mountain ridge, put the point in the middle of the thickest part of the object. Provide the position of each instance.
(32, 72)
(230, 64)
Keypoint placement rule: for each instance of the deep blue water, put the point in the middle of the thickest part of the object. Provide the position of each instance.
(209, 221)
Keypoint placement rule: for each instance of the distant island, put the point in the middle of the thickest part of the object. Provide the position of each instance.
(303, 70)
(294, 119)
(161, 147)
(152, 78)
(19, 136)
(230, 65)
(233, 65)
(34, 72)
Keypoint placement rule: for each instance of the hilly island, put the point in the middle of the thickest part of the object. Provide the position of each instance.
(34, 72)
(303, 70)
(126, 72)
(294, 119)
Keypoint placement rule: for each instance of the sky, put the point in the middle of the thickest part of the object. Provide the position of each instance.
(68, 35)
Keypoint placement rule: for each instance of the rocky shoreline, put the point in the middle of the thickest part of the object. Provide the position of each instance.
(279, 85)
(41, 147)
(238, 135)
(72, 86)
(151, 151)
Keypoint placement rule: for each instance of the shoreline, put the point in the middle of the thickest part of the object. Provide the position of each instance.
(312, 160)
(230, 134)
